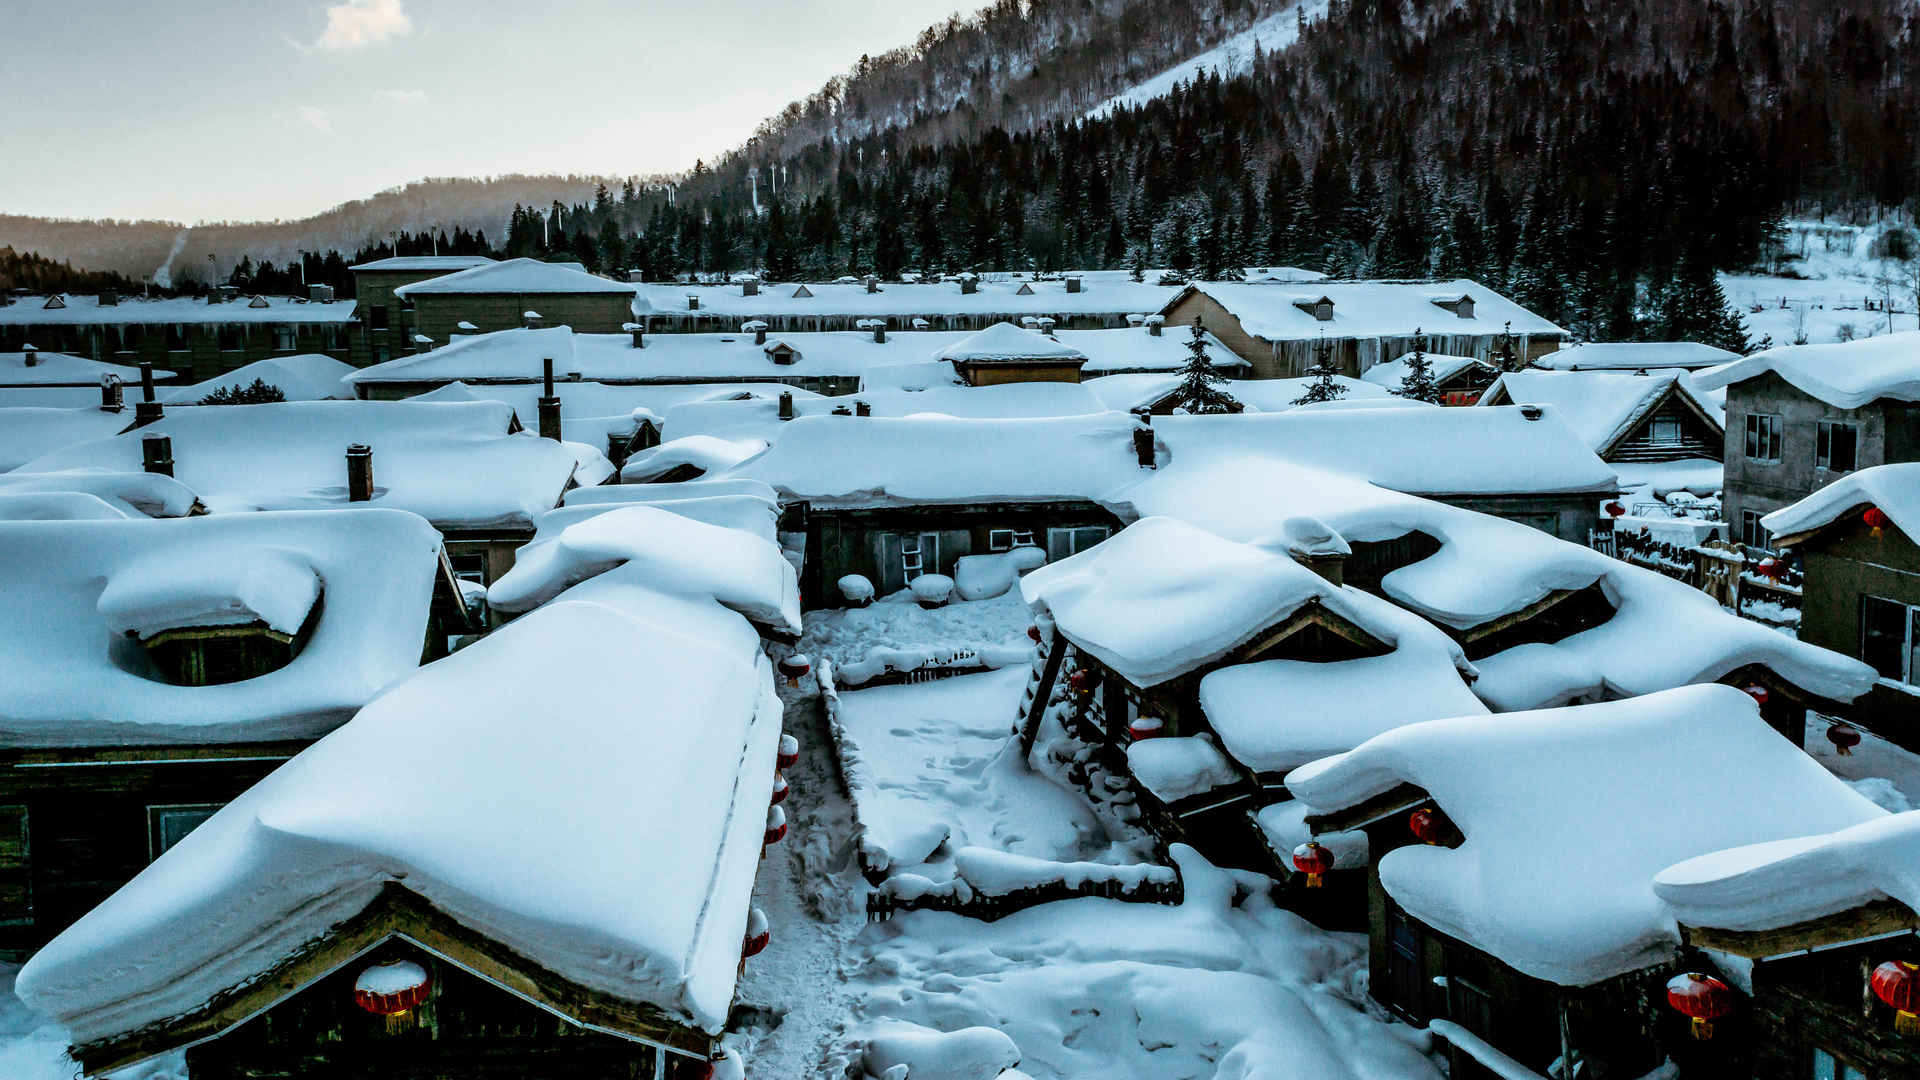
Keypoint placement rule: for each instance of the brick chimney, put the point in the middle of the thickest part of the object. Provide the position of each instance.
(112, 395)
(969, 286)
(879, 331)
(693, 303)
(156, 454)
(786, 404)
(873, 284)
(30, 355)
(862, 408)
(750, 288)
(146, 410)
(359, 473)
(549, 404)
(1073, 284)
(1143, 439)
(1154, 322)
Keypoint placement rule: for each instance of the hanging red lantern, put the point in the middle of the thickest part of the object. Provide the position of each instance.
(780, 789)
(789, 753)
(1313, 860)
(1081, 681)
(1875, 518)
(795, 667)
(1146, 727)
(759, 934)
(1429, 826)
(1614, 509)
(392, 991)
(1034, 633)
(776, 826)
(1702, 999)
(1771, 568)
(1897, 983)
(1758, 693)
(1844, 738)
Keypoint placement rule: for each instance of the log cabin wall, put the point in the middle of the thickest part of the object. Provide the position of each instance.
(1672, 432)
(1820, 1003)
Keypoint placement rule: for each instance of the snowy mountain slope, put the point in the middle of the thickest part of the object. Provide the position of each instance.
(1231, 57)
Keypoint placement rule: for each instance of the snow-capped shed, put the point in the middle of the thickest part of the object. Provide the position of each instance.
(169, 664)
(496, 296)
(573, 898)
(1516, 856)
(1625, 417)
(1635, 356)
(1459, 379)
(1004, 353)
(1858, 541)
(1278, 327)
(455, 464)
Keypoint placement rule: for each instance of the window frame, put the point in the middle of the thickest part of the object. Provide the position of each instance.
(285, 338)
(995, 543)
(1668, 420)
(1823, 445)
(1752, 533)
(1909, 644)
(1764, 432)
(155, 812)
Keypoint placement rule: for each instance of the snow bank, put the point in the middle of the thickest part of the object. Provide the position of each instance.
(306, 377)
(63, 369)
(983, 577)
(1569, 814)
(975, 1053)
(1773, 884)
(1180, 768)
(1005, 341)
(1392, 373)
(657, 494)
(1895, 489)
(69, 677)
(703, 452)
(1845, 375)
(1635, 355)
(59, 506)
(29, 432)
(516, 277)
(136, 493)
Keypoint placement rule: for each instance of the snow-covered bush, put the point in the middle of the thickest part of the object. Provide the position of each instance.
(857, 590)
(932, 590)
(975, 1053)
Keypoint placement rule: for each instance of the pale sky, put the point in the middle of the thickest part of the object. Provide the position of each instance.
(195, 110)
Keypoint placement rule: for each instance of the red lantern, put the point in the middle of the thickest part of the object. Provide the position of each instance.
(1034, 633)
(1771, 568)
(1429, 826)
(1080, 682)
(1614, 509)
(780, 790)
(789, 753)
(1702, 999)
(1875, 518)
(1313, 860)
(1758, 693)
(1146, 727)
(759, 934)
(776, 826)
(1844, 738)
(1896, 983)
(794, 668)
(392, 991)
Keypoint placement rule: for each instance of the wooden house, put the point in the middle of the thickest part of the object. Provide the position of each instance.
(1461, 380)
(1635, 356)
(195, 338)
(501, 296)
(1858, 542)
(1005, 353)
(168, 665)
(1627, 418)
(386, 322)
(1513, 858)
(1281, 329)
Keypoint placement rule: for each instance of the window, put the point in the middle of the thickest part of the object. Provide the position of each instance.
(168, 825)
(377, 317)
(999, 539)
(1665, 431)
(284, 339)
(1405, 979)
(1752, 533)
(1834, 445)
(16, 867)
(1828, 1067)
(229, 337)
(1890, 638)
(177, 339)
(1064, 542)
(1763, 437)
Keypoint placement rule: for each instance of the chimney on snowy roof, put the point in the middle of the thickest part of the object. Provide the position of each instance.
(112, 396)
(873, 284)
(549, 404)
(30, 355)
(156, 454)
(786, 404)
(861, 408)
(359, 473)
(639, 332)
(146, 410)
(1143, 439)
(635, 277)
(1154, 322)
(1073, 283)
(750, 287)
(693, 302)
(969, 286)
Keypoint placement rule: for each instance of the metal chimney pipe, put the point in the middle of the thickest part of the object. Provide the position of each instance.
(549, 404)
(146, 410)
(879, 332)
(760, 336)
(786, 405)
(156, 454)
(112, 394)
(359, 473)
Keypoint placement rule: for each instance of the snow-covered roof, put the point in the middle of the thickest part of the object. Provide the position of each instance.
(1100, 294)
(305, 377)
(59, 506)
(88, 311)
(69, 676)
(517, 277)
(138, 494)
(1845, 375)
(27, 432)
(570, 726)
(1004, 341)
(707, 453)
(1270, 310)
(62, 369)
(1391, 373)
(1895, 489)
(1772, 884)
(1127, 392)
(1602, 406)
(1569, 813)
(1635, 355)
(1161, 598)
(621, 494)
(443, 263)
(1179, 768)
(452, 463)
(760, 419)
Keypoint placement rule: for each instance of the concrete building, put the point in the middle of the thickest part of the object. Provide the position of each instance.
(515, 293)
(386, 321)
(197, 339)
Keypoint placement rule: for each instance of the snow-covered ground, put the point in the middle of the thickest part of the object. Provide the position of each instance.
(1234, 56)
(1839, 277)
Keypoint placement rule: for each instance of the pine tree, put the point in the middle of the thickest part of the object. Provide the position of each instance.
(1417, 384)
(1322, 388)
(259, 392)
(1504, 356)
(1199, 390)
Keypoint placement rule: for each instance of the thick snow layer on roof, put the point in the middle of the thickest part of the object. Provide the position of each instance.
(306, 377)
(1369, 309)
(1773, 884)
(704, 452)
(1099, 295)
(87, 311)
(1127, 392)
(1335, 706)
(760, 418)
(655, 494)
(517, 277)
(1845, 375)
(1391, 373)
(572, 723)
(1893, 488)
(504, 354)
(27, 433)
(60, 506)
(1600, 405)
(1284, 825)
(1569, 813)
(68, 675)
(54, 369)
(746, 513)
(1161, 598)
(452, 463)
(1635, 355)
(1179, 768)
(447, 263)
(1005, 341)
(137, 493)
(668, 551)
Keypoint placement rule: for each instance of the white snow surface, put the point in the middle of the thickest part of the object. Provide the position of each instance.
(1231, 57)
(1772, 884)
(452, 463)
(176, 311)
(1370, 309)
(138, 494)
(447, 263)
(1179, 767)
(1635, 356)
(518, 277)
(1391, 373)
(59, 506)
(64, 369)
(703, 452)
(1005, 341)
(29, 431)
(557, 764)
(1101, 294)
(305, 377)
(1602, 406)
(1893, 488)
(1124, 393)
(1569, 814)
(1845, 375)
(69, 677)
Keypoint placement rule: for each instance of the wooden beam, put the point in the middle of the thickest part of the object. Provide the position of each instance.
(1514, 618)
(1876, 919)
(1400, 797)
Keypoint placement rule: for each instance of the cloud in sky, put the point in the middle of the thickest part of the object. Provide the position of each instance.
(358, 24)
(400, 97)
(317, 118)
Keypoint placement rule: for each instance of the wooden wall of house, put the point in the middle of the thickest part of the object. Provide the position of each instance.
(1821, 1001)
(468, 1029)
(87, 825)
(1698, 439)
(1844, 564)
(712, 322)
(868, 541)
(192, 351)
(1571, 516)
(439, 315)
